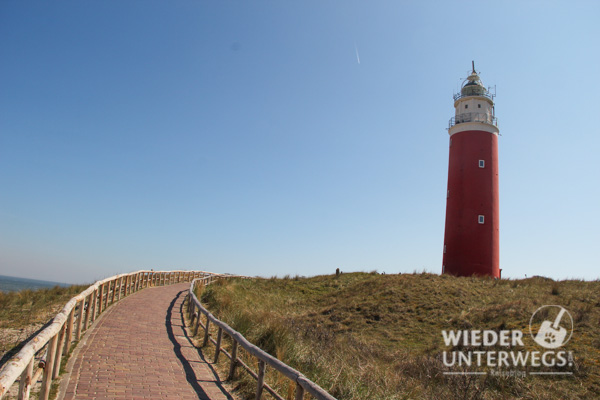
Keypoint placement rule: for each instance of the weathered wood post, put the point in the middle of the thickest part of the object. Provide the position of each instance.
(107, 294)
(299, 392)
(100, 298)
(233, 362)
(114, 292)
(191, 307)
(88, 310)
(95, 300)
(261, 379)
(120, 288)
(69, 331)
(59, 352)
(80, 319)
(192, 320)
(206, 331)
(47, 377)
(218, 349)
(25, 381)
(197, 322)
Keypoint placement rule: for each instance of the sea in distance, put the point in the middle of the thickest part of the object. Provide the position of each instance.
(14, 284)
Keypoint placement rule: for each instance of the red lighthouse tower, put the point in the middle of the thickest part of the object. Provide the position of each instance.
(471, 239)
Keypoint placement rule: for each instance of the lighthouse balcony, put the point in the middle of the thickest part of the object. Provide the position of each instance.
(473, 117)
(474, 91)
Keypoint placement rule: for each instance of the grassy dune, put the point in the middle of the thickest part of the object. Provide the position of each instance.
(370, 336)
(23, 313)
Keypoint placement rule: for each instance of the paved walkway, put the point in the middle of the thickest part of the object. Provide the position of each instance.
(139, 349)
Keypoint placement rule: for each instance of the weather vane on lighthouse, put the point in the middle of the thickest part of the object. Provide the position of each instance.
(471, 238)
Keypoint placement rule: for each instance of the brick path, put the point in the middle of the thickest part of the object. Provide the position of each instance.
(138, 349)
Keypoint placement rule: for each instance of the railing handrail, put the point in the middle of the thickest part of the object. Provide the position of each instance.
(486, 94)
(473, 117)
(315, 390)
(18, 363)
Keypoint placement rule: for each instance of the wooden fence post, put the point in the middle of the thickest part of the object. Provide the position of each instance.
(87, 312)
(120, 287)
(206, 332)
(197, 322)
(233, 362)
(69, 331)
(95, 300)
(261, 379)
(59, 352)
(299, 392)
(107, 294)
(80, 319)
(191, 306)
(218, 349)
(100, 298)
(47, 377)
(114, 292)
(25, 381)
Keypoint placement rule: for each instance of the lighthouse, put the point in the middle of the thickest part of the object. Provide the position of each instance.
(471, 238)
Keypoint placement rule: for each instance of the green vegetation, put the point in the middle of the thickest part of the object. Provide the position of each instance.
(23, 313)
(371, 336)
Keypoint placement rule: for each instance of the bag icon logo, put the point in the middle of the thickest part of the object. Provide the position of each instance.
(552, 333)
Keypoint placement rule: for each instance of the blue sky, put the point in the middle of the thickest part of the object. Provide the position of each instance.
(246, 137)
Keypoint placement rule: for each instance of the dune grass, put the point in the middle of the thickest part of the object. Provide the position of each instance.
(24, 312)
(372, 336)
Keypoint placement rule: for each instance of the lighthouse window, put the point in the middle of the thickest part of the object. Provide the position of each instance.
(478, 105)
(481, 163)
(466, 106)
(481, 219)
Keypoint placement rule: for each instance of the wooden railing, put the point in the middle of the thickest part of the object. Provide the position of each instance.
(43, 354)
(195, 310)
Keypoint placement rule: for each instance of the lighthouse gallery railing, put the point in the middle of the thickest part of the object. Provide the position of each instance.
(473, 117)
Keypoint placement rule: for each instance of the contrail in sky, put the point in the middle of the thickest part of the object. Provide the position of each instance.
(357, 56)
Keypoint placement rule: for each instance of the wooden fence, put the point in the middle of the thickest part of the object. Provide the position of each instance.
(43, 354)
(303, 384)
